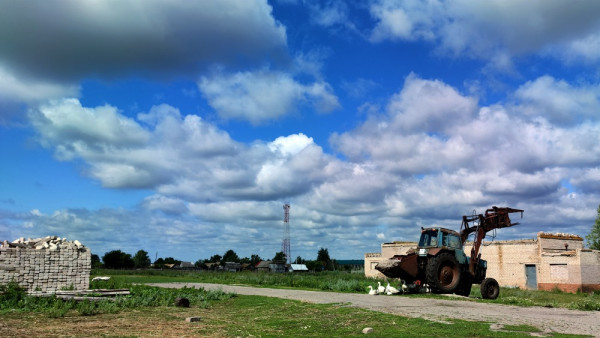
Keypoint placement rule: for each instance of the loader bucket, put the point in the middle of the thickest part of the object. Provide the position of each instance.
(400, 266)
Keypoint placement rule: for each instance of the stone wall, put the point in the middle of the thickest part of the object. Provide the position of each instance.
(45, 264)
(506, 260)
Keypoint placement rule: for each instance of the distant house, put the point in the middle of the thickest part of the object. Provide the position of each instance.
(213, 266)
(277, 266)
(298, 268)
(263, 266)
(186, 265)
(248, 267)
(232, 267)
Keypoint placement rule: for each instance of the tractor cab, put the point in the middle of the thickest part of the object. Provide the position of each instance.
(436, 240)
(439, 238)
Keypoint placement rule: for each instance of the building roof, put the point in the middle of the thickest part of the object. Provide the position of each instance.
(299, 267)
(263, 264)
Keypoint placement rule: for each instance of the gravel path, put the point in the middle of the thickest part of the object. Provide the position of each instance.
(547, 319)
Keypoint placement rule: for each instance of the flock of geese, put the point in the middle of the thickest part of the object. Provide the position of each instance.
(388, 290)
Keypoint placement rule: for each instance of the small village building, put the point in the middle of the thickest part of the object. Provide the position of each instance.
(550, 261)
(248, 267)
(232, 267)
(298, 268)
(262, 266)
(187, 265)
(277, 266)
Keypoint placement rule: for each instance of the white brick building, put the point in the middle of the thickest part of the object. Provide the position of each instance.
(548, 262)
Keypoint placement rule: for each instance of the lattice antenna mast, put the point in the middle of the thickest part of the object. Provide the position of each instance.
(285, 245)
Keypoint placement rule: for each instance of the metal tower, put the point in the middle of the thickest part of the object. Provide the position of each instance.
(285, 244)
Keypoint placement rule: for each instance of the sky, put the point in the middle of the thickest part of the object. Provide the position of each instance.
(181, 127)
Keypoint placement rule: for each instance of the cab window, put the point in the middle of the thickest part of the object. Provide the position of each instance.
(429, 238)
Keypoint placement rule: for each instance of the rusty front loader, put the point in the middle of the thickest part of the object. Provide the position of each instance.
(440, 263)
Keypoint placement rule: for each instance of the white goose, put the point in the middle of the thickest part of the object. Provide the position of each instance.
(390, 290)
(372, 291)
(380, 288)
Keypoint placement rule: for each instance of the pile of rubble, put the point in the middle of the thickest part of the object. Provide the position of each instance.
(49, 242)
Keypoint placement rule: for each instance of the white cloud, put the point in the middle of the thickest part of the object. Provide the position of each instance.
(396, 171)
(557, 101)
(263, 95)
(291, 145)
(487, 29)
(165, 204)
(182, 157)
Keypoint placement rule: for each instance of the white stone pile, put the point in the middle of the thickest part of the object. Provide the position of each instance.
(45, 264)
(49, 242)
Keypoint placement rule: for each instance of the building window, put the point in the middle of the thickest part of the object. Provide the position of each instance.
(373, 265)
(559, 272)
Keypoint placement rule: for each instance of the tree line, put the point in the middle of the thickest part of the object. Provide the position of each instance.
(117, 259)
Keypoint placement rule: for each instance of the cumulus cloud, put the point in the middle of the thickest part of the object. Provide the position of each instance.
(71, 39)
(492, 28)
(17, 91)
(181, 157)
(558, 101)
(395, 172)
(459, 154)
(263, 95)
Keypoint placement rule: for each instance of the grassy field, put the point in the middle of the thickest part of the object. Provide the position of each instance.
(150, 311)
(343, 282)
(241, 316)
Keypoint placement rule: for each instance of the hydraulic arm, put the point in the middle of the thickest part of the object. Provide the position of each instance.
(494, 218)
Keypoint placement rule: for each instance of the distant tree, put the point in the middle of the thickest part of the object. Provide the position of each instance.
(323, 257)
(255, 259)
(313, 265)
(200, 263)
(231, 256)
(299, 260)
(117, 259)
(215, 258)
(280, 256)
(593, 238)
(141, 260)
(96, 261)
(245, 260)
(159, 263)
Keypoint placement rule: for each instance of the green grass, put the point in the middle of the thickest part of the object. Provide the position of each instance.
(324, 281)
(270, 317)
(150, 308)
(14, 299)
(342, 282)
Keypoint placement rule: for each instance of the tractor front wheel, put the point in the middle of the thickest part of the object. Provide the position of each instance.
(490, 288)
(443, 273)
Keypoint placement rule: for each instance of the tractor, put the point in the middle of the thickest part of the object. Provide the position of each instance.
(439, 262)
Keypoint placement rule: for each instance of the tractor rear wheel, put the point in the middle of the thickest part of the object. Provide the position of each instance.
(443, 273)
(490, 288)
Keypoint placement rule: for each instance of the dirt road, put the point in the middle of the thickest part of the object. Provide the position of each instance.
(556, 320)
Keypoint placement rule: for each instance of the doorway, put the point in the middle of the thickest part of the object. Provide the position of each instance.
(531, 276)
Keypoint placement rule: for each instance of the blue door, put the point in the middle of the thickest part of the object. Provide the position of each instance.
(531, 277)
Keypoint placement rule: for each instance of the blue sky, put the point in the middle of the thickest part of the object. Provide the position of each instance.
(181, 127)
